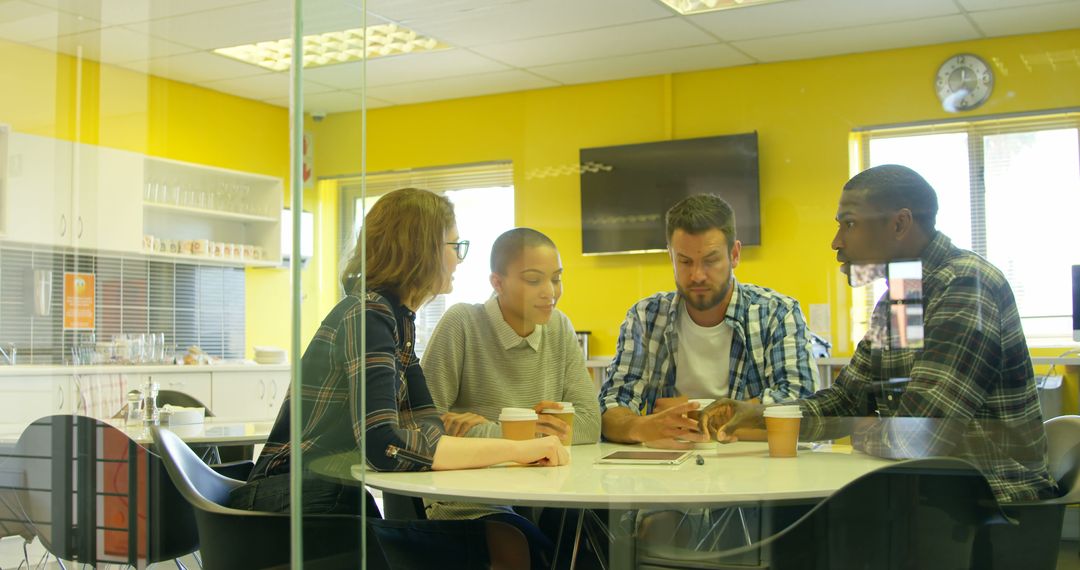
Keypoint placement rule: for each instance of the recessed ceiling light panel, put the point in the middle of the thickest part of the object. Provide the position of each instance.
(687, 7)
(335, 47)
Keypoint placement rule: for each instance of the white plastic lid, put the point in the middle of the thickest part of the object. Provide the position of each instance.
(567, 408)
(783, 412)
(516, 415)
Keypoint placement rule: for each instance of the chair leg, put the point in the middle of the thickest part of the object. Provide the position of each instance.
(197, 557)
(179, 564)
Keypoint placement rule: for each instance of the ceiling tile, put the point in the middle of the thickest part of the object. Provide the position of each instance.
(973, 5)
(24, 22)
(249, 23)
(606, 42)
(860, 39)
(267, 86)
(476, 23)
(198, 67)
(405, 68)
(332, 102)
(639, 65)
(1031, 19)
(116, 12)
(114, 45)
(802, 16)
(457, 87)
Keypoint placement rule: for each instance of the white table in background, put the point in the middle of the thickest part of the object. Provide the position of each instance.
(212, 431)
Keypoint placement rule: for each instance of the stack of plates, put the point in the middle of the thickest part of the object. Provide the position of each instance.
(269, 355)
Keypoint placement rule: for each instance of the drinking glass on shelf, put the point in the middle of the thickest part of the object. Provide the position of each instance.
(159, 348)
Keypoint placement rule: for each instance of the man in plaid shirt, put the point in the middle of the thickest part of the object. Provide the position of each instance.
(967, 390)
(714, 337)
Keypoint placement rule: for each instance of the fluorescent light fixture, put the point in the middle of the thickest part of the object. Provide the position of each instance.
(335, 47)
(686, 7)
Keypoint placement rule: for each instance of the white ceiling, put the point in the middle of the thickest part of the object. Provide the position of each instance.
(499, 45)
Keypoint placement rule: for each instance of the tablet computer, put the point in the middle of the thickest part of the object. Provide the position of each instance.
(646, 457)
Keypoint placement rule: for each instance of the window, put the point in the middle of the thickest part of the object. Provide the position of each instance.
(1008, 189)
(483, 198)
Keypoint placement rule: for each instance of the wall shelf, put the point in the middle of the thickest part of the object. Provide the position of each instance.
(207, 213)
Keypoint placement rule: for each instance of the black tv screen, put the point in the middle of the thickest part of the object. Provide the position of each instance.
(626, 190)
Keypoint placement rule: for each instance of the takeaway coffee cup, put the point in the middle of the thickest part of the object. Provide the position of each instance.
(518, 423)
(566, 414)
(782, 429)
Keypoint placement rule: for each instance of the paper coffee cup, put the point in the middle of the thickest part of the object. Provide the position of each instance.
(200, 246)
(566, 414)
(782, 430)
(518, 423)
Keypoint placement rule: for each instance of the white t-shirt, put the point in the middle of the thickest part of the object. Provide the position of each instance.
(703, 362)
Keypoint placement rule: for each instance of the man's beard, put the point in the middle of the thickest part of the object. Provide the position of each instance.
(710, 301)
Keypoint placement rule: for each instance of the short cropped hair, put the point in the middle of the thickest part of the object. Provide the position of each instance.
(892, 187)
(700, 213)
(510, 245)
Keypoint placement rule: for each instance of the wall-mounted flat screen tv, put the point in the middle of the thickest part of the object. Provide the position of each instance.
(626, 190)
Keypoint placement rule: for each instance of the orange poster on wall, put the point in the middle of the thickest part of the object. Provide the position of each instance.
(78, 301)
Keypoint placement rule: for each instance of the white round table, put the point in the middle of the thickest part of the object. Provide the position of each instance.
(735, 473)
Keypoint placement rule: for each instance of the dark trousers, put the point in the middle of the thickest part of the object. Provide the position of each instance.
(272, 494)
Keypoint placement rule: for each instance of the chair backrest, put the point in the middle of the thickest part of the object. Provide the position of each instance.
(113, 480)
(204, 488)
(233, 539)
(1063, 453)
(181, 399)
(911, 514)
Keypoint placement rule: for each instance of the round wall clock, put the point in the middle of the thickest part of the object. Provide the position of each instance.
(964, 82)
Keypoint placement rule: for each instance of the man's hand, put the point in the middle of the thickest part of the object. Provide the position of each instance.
(669, 423)
(458, 425)
(724, 416)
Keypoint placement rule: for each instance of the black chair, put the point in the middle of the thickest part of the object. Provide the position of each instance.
(922, 513)
(1034, 541)
(330, 541)
(93, 495)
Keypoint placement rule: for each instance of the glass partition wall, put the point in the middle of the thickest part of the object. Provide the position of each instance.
(146, 187)
(185, 214)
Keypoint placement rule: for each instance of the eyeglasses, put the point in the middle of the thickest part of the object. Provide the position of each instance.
(461, 247)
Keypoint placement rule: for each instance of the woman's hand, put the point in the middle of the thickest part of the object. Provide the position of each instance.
(458, 425)
(545, 451)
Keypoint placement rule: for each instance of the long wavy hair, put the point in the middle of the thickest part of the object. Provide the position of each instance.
(406, 233)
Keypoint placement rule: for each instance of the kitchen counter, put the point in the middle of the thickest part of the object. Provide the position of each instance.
(22, 370)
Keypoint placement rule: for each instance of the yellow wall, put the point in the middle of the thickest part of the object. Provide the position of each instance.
(124, 109)
(803, 111)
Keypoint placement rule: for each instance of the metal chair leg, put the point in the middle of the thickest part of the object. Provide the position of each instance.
(197, 557)
(179, 564)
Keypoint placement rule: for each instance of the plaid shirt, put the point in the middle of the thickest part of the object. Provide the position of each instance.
(400, 422)
(770, 354)
(969, 392)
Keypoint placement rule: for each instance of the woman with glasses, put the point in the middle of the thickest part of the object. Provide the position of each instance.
(410, 256)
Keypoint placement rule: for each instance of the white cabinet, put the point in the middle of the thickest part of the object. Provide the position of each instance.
(38, 194)
(29, 398)
(249, 396)
(106, 200)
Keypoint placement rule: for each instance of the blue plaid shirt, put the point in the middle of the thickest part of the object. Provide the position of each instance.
(770, 351)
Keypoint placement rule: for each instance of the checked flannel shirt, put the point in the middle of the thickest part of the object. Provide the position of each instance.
(968, 392)
(770, 354)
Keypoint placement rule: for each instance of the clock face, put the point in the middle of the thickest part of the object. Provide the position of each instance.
(964, 82)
